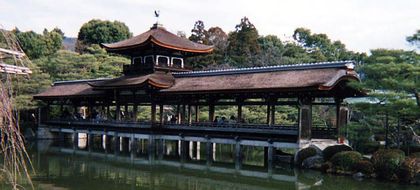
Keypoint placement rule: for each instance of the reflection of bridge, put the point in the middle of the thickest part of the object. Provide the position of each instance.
(165, 173)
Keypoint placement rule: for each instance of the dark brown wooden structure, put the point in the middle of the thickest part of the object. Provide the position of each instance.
(159, 78)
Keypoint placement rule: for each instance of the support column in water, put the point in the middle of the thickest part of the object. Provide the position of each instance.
(133, 147)
(209, 152)
(90, 138)
(151, 149)
(238, 154)
(116, 144)
(75, 139)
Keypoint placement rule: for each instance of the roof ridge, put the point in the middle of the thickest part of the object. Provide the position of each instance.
(79, 81)
(299, 66)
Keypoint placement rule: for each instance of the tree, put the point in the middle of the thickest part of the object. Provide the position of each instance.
(37, 45)
(415, 39)
(243, 43)
(66, 65)
(321, 48)
(97, 31)
(271, 51)
(199, 33)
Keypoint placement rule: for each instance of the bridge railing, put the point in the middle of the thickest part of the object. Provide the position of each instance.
(318, 131)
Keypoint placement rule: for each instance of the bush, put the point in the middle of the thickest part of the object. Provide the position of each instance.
(330, 151)
(326, 167)
(369, 147)
(305, 153)
(387, 162)
(415, 155)
(346, 160)
(408, 169)
(364, 166)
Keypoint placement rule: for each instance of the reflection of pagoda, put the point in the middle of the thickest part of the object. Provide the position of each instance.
(156, 50)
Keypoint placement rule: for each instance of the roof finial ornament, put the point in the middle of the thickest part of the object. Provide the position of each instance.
(157, 13)
(156, 25)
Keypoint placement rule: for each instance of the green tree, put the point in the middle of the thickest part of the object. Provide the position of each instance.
(199, 33)
(415, 39)
(37, 45)
(97, 31)
(243, 44)
(321, 48)
(66, 65)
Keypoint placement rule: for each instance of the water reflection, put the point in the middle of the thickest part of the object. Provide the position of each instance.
(157, 163)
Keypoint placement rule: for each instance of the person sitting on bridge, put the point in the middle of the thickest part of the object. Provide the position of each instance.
(232, 120)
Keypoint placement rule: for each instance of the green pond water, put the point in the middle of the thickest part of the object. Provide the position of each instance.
(64, 166)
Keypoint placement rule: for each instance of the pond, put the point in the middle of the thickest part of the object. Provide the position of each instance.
(66, 166)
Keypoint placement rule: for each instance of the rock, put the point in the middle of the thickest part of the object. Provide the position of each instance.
(313, 162)
(330, 151)
(365, 167)
(304, 154)
(358, 175)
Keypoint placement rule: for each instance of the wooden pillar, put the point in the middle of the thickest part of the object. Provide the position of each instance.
(116, 143)
(270, 156)
(239, 116)
(133, 147)
(189, 115)
(209, 152)
(178, 113)
(75, 139)
(108, 112)
(268, 114)
(135, 110)
(197, 113)
(161, 114)
(238, 155)
(305, 119)
(153, 113)
(211, 112)
(273, 115)
(90, 137)
(126, 116)
(184, 114)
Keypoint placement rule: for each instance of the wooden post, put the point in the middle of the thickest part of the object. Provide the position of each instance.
(209, 152)
(273, 115)
(135, 110)
(184, 114)
(197, 113)
(189, 115)
(178, 113)
(161, 114)
(268, 114)
(239, 117)
(153, 116)
(238, 155)
(305, 120)
(211, 112)
(126, 111)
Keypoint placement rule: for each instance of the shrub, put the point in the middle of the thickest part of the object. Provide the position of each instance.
(369, 147)
(387, 162)
(305, 153)
(408, 169)
(415, 155)
(346, 160)
(364, 166)
(326, 167)
(330, 151)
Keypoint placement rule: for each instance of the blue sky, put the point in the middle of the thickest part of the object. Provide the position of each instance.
(360, 24)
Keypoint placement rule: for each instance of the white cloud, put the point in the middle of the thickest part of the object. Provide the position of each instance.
(360, 24)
